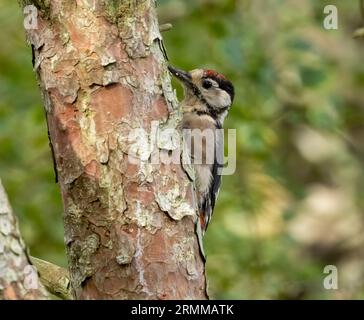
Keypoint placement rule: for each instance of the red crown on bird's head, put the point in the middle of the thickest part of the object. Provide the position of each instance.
(223, 82)
(208, 73)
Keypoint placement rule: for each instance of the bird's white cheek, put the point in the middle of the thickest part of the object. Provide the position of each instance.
(219, 99)
(225, 99)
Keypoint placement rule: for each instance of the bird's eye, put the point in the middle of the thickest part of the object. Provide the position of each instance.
(206, 84)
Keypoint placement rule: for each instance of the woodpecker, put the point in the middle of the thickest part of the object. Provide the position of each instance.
(208, 96)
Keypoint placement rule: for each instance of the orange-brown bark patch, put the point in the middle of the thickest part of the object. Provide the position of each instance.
(159, 109)
(112, 105)
(144, 194)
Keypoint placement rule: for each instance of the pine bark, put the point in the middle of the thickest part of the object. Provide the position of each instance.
(129, 225)
(18, 278)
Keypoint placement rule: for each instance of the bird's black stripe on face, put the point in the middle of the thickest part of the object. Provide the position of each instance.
(211, 110)
(225, 85)
(229, 88)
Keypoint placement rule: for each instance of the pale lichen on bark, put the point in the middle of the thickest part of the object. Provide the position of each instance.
(129, 226)
(18, 278)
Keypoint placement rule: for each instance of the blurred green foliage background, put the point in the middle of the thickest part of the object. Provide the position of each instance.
(295, 203)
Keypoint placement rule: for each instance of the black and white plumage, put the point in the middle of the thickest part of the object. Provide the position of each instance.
(208, 96)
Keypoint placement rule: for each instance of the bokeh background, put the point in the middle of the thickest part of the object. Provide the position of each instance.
(296, 201)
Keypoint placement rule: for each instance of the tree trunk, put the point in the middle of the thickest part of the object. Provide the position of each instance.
(129, 223)
(18, 278)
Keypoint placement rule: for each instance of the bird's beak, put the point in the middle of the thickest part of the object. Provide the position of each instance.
(181, 75)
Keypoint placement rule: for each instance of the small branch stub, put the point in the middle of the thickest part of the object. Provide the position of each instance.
(54, 278)
(165, 27)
